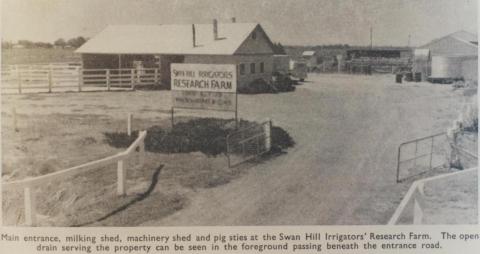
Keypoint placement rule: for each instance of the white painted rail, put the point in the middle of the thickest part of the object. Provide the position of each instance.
(56, 77)
(30, 184)
(416, 193)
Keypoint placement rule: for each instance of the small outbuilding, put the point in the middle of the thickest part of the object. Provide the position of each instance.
(454, 56)
(311, 59)
(158, 46)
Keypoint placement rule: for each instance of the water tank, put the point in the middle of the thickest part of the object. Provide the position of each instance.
(446, 67)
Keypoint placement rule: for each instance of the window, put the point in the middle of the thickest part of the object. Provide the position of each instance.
(252, 68)
(262, 67)
(254, 35)
(242, 69)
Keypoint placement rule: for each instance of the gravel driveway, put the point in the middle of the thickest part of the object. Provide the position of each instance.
(342, 170)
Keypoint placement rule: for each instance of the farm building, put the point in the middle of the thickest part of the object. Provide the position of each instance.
(378, 52)
(311, 58)
(378, 59)
(454, 56)
(158, 46)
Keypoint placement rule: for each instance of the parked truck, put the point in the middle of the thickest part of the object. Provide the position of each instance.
(298, 69)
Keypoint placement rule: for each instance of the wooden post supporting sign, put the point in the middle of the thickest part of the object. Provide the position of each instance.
(129, 124)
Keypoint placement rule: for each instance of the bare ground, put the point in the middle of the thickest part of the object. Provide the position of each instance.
(342, 170)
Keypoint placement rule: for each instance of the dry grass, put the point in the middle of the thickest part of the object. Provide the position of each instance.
(52, 136)
(38, 55)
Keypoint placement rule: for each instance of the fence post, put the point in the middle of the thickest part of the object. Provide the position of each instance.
(108, 79)
(30, 211)
(417, 213)
(155, 76)
(141, 148)
(416, 149)
(121, 178)
(172, 117)
(15, 124)
(19, 77)
(50, 81)
(431, 153)
(80, 78)
(129, 124)
(132, 79)
(417, 209)
(268, 134)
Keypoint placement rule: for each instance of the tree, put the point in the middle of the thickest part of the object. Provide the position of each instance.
(43, 45)
(26, 43)
(278, 49)
(76, 42)
(7, 45)
(60, 43)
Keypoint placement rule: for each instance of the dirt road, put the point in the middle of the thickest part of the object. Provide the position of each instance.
(347, 129)
(342, 170)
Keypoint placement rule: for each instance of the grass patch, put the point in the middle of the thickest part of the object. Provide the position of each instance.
(206, 135)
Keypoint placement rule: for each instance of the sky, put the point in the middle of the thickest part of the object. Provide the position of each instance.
(290, 22)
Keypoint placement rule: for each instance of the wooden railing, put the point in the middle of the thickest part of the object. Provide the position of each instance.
(417, 195)
(56, 76)
(28, 185)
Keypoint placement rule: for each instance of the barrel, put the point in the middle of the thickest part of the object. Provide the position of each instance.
(398, 78)
(409, 77)
(418, 77)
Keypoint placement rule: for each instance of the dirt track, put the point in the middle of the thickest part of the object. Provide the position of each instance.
(342, 170)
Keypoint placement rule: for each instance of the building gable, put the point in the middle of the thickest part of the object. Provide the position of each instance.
(257, 42)
(451, 46)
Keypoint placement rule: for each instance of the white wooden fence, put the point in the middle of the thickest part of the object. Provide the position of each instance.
(30, 184)
(67, 77)
(417, 195)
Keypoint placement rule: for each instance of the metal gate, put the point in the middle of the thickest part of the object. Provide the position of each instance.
(248, 143)
(421, 155)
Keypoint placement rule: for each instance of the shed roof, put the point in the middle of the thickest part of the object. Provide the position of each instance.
(465, 36)
(169, 39)
(309, 53)
(378, 48)
(462, 36)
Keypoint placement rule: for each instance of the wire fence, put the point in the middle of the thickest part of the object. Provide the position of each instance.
(421, 155)
(248, 143)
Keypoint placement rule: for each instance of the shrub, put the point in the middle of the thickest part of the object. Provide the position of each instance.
(283, 83)
(257, 86)
(206, 135)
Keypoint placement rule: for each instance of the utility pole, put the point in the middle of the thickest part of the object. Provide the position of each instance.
(371, 37)
(409, 40)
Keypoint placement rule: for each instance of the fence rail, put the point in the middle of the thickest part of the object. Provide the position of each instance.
(56, 76)
(417, 195)
(421, 155)
(30, 184)
(249, 143)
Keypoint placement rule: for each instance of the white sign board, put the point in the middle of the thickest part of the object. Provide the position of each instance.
(204, 77)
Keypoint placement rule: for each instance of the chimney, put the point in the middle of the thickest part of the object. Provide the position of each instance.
(234, 20)
(215, 29)
(193, 36)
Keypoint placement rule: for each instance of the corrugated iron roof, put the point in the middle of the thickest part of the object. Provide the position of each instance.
(465, 36)
(308, 53)
(378, 48)
(462, 36)
(168, 39)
